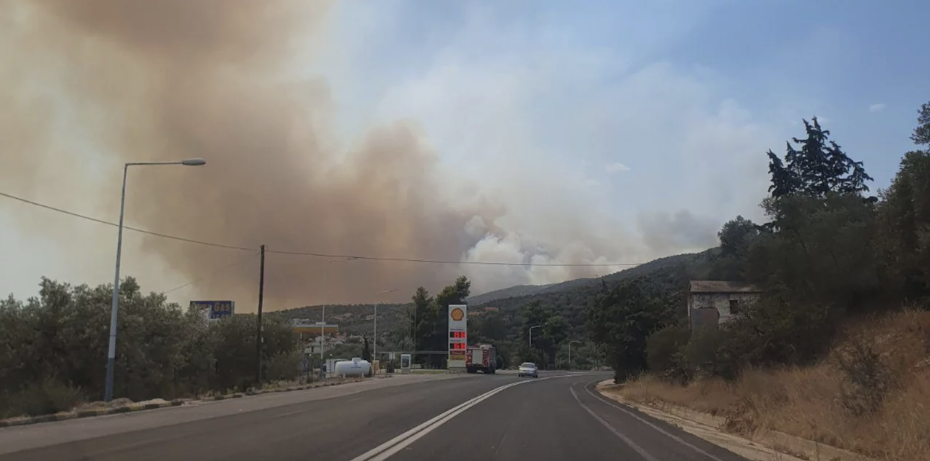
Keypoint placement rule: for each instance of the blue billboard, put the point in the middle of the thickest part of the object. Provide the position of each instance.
(214, 310)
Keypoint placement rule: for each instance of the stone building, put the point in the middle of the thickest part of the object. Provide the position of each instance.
(713, 302)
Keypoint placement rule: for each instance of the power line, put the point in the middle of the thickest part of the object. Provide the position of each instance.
(228, 266)
(439, 261)
(142, 231)
(312, 254)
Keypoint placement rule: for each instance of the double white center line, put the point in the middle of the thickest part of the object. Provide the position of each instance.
(391, 447)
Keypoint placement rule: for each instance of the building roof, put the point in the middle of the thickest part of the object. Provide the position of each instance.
(722, 286)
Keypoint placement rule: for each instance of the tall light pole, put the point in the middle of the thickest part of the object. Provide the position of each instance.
(323, 315)
(531, 334)
(111, 351)
(374, 354)
(570, 353)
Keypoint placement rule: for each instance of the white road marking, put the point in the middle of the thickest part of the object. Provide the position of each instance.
(391, 447)
(619, 434)
(634, 415)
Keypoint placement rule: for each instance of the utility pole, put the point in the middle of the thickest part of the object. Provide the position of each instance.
(374, 354)
(258, 329)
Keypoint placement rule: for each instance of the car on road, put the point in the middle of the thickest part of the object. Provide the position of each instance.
(528, 369)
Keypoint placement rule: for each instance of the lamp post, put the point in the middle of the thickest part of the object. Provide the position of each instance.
(323, 315)
(570, 353)
(374, 353)
(531, 334)
(111, 351)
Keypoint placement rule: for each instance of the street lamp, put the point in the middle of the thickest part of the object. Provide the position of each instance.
(570, 353)
(111, 352)
(323, 315)
(374, 353)
(531, 334)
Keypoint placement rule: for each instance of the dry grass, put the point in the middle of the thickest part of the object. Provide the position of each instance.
(810, 402)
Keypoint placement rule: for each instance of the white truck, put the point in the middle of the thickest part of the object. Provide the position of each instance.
(481, 358)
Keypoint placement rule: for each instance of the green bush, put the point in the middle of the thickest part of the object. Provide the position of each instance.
(49, 396)
(283, 366)
(866, 381)
(664, 355)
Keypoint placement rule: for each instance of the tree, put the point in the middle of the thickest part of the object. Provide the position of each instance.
(366, 350)
(456, 293)
(817, 167)
(489, 327)
(921, 135)
(905, 226)
(424, 318)
(736, 236)
(820, 250)
(664, 355)
(736, 239)
(623, 317)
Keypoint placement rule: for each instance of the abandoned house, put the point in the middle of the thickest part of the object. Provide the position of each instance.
(712, 302)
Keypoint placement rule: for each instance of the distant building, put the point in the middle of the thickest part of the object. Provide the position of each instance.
(713, 302)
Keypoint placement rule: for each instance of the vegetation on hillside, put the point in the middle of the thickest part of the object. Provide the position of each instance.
(827, 352)
(829, 250)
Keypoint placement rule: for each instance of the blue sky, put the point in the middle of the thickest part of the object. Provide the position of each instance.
(779, 60)
(608, 131)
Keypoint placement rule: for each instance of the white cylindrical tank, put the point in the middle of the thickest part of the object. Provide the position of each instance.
(352, 368)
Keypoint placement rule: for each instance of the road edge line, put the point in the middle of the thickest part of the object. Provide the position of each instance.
(650, 424)
(638, 449)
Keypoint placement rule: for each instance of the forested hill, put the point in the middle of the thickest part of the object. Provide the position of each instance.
(522, 293)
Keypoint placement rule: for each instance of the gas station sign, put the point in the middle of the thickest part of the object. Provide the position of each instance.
(458, 335)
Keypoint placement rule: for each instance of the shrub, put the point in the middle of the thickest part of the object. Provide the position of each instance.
(664, 355)
(284, 366)
(866, 379)
(49, 396)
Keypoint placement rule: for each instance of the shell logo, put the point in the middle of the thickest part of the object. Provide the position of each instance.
(457, 314)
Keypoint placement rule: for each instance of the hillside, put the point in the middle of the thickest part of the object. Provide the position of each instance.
(574, 293)
(353, 319)
(866, 395)
(567, 299)
(520, 291)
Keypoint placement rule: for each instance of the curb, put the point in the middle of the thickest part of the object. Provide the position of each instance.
(87, 414)
(134, 408)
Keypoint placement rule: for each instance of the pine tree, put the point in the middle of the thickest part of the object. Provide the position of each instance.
(818, 167)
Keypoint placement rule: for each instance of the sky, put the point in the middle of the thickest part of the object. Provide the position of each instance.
(543, 132)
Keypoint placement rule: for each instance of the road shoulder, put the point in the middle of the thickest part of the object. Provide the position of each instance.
(37, 435)
(765, 446)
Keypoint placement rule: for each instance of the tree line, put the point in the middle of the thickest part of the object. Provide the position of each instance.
(53, 349)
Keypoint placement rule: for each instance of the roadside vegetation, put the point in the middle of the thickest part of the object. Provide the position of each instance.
(53, 349)
(837, 349)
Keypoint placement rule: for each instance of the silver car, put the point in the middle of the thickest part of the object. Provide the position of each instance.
(528, 369)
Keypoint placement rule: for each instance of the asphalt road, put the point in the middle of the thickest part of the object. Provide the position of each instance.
(474, 417)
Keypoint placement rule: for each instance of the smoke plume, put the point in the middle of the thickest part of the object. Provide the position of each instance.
(93, 84)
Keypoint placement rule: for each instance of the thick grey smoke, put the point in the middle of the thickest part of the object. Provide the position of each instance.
(102, 82)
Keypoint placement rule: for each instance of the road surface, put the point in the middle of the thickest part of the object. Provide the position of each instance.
(475, 417)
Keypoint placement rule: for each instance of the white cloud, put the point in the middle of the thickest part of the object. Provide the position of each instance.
(877, 107)
(616, 167)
